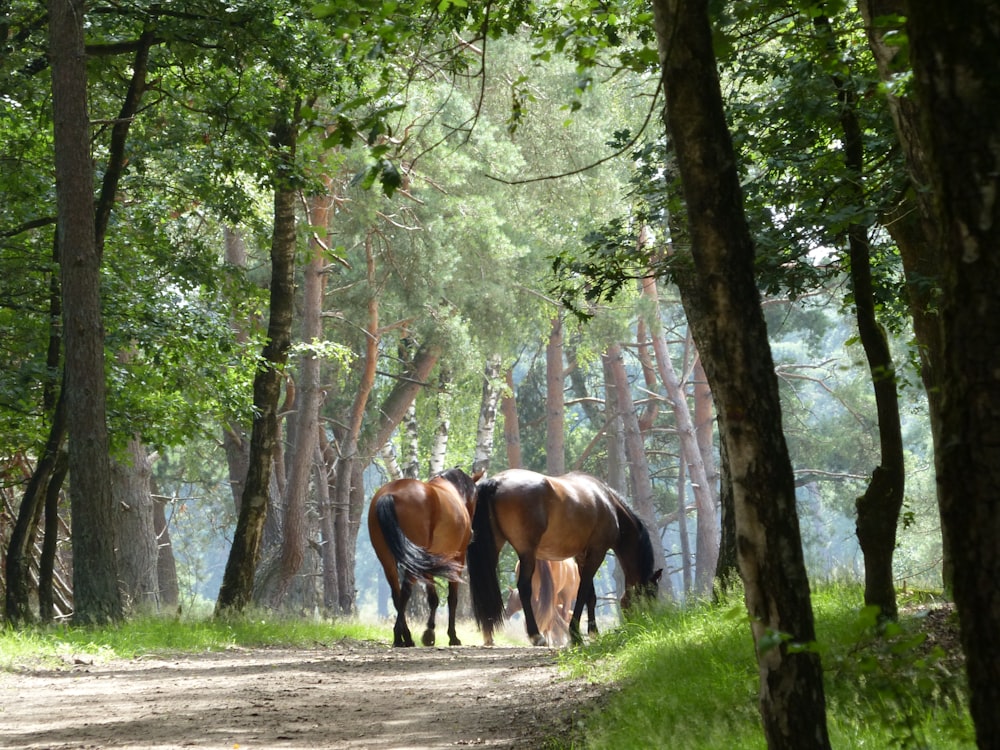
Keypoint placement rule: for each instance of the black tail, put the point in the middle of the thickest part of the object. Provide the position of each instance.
(411, 559)
(482, 558)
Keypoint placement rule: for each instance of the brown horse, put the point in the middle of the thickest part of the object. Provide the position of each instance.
(553, 518)
(553, 589)
(420, 530)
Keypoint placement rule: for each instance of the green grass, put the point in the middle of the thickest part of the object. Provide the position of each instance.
(58, 644)
(687, 679)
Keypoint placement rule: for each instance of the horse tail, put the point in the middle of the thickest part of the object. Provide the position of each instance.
(412, 560)
(482, 559)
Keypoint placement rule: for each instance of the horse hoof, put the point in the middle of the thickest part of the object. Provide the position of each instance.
(428, 638)
(453, 641)
(538, 640)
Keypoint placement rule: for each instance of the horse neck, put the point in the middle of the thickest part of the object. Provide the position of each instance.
(627, 546)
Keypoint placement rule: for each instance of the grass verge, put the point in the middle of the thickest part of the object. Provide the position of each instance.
(50, 646)
(687, 679)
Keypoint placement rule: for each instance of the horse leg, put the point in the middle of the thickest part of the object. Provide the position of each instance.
(524, 590)
(432, 604)
(586, 596)
(452, 611)
(591, 606)
(400, 631)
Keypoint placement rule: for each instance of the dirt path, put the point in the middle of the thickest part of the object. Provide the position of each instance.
(346, 696)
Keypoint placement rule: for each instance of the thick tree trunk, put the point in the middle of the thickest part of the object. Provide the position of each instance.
(95, 576)
(237, 583)
(166, 563)
(555, 405)
(511, 424)
(732, 339)
(957, 74)
(135, 529)
(305, 434)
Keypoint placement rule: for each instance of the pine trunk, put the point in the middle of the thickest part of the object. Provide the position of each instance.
(95, 575)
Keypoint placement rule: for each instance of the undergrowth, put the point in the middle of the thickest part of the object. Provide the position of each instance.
(687, 679)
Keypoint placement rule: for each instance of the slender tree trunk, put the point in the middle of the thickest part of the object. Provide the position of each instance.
(17, 563)
(237, 583)
(555, 407)
(442, 430)
(638, 466)
(913, 224)
(732, 339)
(707, 536)
(51, 601)
(617, 461)
(879, 507)
(487, 415)
(95, 577)
(957, 84)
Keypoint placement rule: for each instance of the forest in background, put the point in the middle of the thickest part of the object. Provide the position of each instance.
(459, 234)
(342, 240)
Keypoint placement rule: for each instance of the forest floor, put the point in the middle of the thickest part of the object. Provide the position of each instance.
(346, 695)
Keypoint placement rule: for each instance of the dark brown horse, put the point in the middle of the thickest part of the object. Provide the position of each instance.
(420, 531)
(553, 518)
(553, 591)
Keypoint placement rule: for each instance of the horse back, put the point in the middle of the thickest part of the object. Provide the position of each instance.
(553, 517)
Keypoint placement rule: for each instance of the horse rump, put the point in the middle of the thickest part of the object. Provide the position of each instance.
(412, 560)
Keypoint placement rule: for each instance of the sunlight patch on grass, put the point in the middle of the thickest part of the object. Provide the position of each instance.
(61, 644)
(687, 679)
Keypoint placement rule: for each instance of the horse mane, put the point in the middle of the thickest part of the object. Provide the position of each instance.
(644, 549)
(462, 481)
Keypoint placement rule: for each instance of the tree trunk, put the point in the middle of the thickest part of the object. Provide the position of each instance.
(237, 583)
(732, 339)
(135, 529)
(511, 423)
(166, 563)
(913, 224)
(305, 433)
(641, 483)
(615, 432)
(957, 76)
(487, 415)
(707, 536)
(95, 576)
(20, 547)
(878, 508)
(555, 406)
(442, 430)
(325, 463)
(53, 594)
